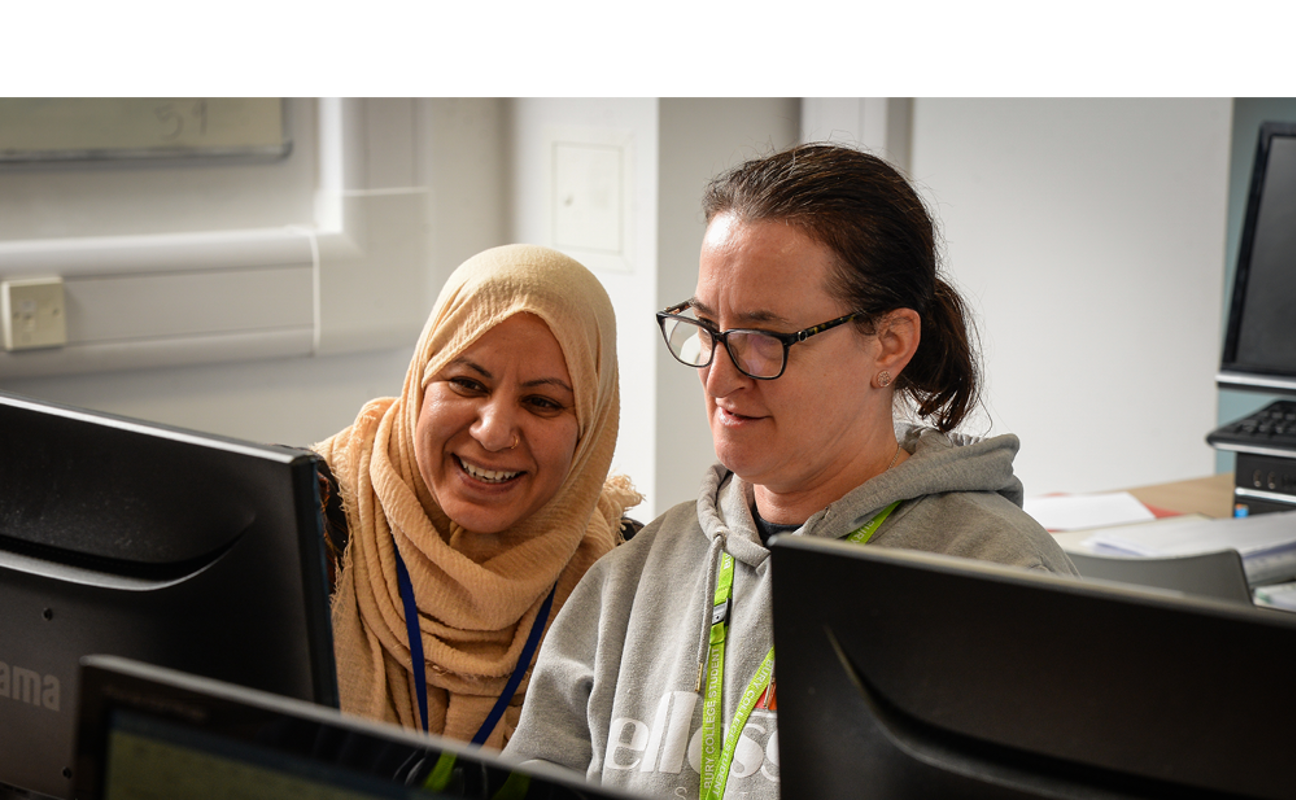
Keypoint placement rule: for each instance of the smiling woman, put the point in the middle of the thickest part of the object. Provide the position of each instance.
(498, 427)
(473, 503)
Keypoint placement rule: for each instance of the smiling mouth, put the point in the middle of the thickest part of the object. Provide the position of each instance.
(486, 475)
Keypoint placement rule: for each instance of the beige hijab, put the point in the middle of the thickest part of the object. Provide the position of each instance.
(477, 595)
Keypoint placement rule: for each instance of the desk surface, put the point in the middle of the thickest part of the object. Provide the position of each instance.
(1212, 496)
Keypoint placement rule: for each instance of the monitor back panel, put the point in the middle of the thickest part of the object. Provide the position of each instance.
(922, 676)
(172, 548)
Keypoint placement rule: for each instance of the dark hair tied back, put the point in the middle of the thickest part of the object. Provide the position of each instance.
(870, 217)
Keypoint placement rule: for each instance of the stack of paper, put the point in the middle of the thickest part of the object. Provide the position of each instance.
(1266, 542)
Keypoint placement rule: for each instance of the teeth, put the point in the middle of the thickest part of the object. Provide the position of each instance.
(488, 475)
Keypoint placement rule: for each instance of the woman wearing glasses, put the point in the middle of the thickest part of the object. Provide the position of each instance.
(818, 312)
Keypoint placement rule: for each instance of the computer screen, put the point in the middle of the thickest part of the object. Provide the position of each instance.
(1259, 348)
(150, 732)
(172, 547)
(912, 675)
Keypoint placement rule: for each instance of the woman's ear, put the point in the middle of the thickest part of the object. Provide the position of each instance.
(898, 334)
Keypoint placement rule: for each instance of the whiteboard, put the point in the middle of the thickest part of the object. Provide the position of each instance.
(34, 129)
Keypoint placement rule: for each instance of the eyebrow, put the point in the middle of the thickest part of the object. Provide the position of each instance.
(760, 315)
(558, 382)
(485, 373)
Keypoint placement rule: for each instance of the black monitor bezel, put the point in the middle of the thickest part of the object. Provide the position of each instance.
(1232, 374)
(313, 740)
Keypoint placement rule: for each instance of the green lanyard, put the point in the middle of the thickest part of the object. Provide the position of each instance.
(863, 534)
(717, 758)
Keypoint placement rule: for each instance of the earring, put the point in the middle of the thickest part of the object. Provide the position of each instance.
(516, 441)
(883, 379)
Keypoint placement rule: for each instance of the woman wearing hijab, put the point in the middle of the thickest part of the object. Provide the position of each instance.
(476, 500)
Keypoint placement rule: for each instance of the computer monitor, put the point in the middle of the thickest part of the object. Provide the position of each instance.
(1259, 349)
(172, 547)
(904, 675)
(152, 732)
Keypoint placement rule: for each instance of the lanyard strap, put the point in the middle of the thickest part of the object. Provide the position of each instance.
(418, 665)
(714, 761)
(866, 531)
(718, 758)
(417, 659)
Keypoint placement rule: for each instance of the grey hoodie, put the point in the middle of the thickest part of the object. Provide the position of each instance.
(615, 693)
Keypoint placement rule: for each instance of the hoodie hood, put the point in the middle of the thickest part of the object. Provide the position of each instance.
(724, 512)
(938, 463)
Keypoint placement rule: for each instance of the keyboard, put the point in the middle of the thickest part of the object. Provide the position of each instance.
(1272, 430)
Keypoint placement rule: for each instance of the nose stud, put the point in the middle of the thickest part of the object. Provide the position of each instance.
(516, 441)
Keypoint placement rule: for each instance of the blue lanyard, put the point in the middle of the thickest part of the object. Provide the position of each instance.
(420, 666)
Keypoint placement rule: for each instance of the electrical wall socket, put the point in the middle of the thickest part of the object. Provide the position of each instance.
(32, 313)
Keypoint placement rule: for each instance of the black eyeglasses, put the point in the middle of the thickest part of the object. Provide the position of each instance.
(757, 354)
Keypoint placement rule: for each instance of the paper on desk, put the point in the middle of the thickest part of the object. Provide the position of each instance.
(1278, 595)
(1267, 542)
(1069, 512)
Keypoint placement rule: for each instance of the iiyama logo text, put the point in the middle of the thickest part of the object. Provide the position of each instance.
(29, 686)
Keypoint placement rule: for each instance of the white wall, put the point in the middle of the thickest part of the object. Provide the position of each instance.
(373, 297)
(1088, 236)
